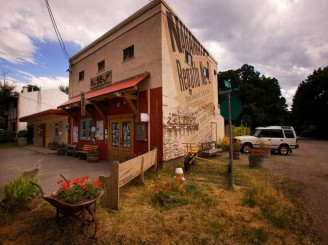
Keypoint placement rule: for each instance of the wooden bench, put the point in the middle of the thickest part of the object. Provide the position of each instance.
(210, 148)
(70, 150)
(84, 151)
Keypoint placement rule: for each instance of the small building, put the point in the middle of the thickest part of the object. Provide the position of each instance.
(49, 126)
(19, 105)
(146, 83)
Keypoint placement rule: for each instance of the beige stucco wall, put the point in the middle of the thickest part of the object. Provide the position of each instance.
(144, 33)
(37, 101)
(50, 134)
(190, 112)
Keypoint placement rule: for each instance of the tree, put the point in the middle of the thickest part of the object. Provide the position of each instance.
(6, 89)
(310, 104)
(31, 88)
(262, 102)
(63, 88)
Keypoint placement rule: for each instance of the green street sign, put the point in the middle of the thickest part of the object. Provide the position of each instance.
(235, 108)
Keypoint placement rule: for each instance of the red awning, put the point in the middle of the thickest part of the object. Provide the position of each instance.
(110, 89)
(48, 114)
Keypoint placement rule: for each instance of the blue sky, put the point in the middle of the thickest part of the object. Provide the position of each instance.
(285, 39)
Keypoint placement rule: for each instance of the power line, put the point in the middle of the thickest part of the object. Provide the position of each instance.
(60, 40)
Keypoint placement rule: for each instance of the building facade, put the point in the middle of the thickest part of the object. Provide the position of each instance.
(146, 83)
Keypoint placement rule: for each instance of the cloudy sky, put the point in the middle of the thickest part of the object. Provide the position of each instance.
(285, 39)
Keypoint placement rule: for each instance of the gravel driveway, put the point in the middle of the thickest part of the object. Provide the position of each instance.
(309, 165)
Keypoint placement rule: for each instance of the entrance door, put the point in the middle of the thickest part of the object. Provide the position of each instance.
(121, 138)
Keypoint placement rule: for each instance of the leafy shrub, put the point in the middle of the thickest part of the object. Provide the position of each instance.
(6, 137)
(22, 134)
(20, 190)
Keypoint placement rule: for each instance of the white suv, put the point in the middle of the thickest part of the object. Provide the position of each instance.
(281, 138)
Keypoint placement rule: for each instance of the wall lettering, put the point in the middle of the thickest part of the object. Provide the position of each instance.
(101, 80)
(182, 37)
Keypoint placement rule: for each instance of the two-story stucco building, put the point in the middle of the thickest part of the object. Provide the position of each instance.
(146, 83)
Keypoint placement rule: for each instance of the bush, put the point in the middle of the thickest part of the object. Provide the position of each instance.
(22, 134)
(20, 190)
(6, 137)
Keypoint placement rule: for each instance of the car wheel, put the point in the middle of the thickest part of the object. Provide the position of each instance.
(247, 147)
(283, 150)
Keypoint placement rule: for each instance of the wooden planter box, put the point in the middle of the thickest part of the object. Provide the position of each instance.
(255, 161)
(93, 157)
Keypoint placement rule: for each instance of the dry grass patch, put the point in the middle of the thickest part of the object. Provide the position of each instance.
(207, 212)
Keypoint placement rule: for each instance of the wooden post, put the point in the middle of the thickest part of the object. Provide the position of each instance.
(110, 184)
(141, 179)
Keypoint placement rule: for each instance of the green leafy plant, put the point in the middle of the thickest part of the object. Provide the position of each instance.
(129, 155)
(93, 152)
(78, 189)
(22, 134)
(163, 193)
(20, 190)
(236, 146)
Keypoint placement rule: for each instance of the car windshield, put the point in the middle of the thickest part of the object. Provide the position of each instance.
(257, 132)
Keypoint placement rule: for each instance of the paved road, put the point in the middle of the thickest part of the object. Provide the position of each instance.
(309, 165)
(15, 161)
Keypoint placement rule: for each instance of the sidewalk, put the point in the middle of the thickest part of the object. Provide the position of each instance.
(16, 160)
(42, 150)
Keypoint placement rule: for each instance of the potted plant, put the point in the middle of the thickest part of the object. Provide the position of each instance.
(80, 189)
(256, 158)
(61, 148)
(52, 145)
(236, 150)
(266, 148)
(93, 156)
(21, 194)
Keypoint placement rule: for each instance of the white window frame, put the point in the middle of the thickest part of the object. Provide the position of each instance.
(85, 129)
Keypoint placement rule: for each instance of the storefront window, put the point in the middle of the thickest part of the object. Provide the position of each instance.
(126, 134)
(115, 138)
(85, 129)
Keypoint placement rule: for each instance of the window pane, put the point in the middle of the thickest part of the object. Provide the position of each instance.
(277, 133)
(128, 52)
(289, 133)
(126, 134)
(115, 138)
(81, 75)
(101, 66)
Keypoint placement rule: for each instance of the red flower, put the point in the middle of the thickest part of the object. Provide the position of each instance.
(68, 182)
(84, 186)
(59, 181)
(97, 182)
(76, 181)
(64, 186)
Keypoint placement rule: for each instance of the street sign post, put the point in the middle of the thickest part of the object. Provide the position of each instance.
(226, 112)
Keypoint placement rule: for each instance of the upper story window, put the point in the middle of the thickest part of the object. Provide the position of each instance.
(205, 72)
(101, 66)
(81, 75)
(128, 53)
(188, 58)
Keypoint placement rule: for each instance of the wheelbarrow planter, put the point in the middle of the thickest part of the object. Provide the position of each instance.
(84, 210)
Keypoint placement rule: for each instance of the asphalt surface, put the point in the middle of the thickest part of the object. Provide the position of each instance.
(17, 160)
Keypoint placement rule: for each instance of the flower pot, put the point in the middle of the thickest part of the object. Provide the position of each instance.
(52, 146)
(255, 161)
(267, 153)
(22, 141)
(236, 155)
(93, 157)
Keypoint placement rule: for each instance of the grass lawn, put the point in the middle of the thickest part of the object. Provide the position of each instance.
(262, 209)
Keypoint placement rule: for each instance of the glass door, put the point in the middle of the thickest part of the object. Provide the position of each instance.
(121, 138)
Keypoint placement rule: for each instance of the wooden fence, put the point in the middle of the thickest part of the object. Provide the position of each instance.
(123, 173)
